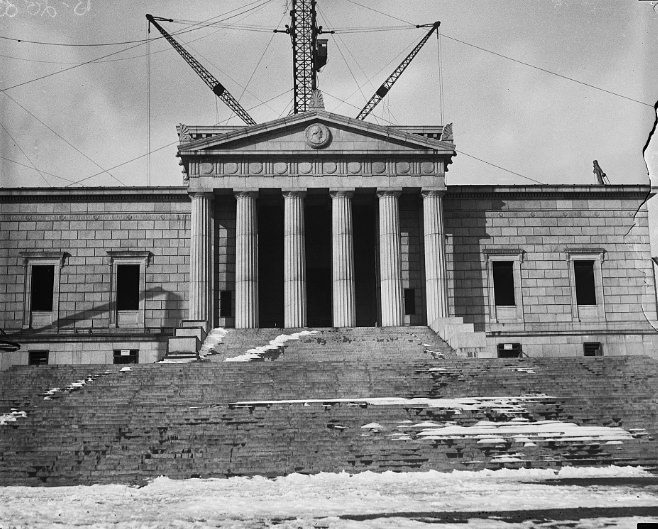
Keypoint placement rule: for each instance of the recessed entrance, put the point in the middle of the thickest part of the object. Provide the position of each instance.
(317, 220)
(270, 263)
(364, 229)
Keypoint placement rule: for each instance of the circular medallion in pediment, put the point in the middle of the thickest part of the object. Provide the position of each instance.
(305, 167)
(402, 167)
(317, 135)
(206, 168)
(427, 167)
(280, 167)
(378, 167)
(329, 167)
(255, 168)
(230, 168)
(353, 167)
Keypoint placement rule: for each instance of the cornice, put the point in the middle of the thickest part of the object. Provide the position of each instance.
(566, 191)
(91, 194)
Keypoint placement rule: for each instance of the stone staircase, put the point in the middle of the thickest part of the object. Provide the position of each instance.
(324, 411)
(325, 344)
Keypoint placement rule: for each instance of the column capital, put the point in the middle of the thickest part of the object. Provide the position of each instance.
(293, 193)
(245, 194)
(336, 193)
(389, 193)
(433, 192)
(201, 194)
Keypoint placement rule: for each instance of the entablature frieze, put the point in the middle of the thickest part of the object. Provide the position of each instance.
(316, 166)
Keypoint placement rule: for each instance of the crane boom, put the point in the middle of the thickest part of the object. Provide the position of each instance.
(218, 88)
(386, 85)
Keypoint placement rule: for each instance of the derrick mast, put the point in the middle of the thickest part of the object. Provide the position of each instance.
(309, 54)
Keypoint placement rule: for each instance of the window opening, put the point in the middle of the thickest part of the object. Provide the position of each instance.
(503, 278)
(225, 302)
(585, 286)
(126, 356)
(37, 358)
(43, 283)
(128, 287)
(592, 349)
(509, 350)
(409, 301)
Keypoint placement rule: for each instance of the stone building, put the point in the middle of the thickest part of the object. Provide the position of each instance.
(319, 220)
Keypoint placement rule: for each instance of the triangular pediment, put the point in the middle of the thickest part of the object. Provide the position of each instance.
(317, 131)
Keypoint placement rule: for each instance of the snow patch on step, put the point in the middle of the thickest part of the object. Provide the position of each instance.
(507, 404)
(12, 416)
(213, 339)
(258, 353)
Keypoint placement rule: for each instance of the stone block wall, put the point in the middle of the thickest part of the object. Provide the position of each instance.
(544, 229)
(84, 231)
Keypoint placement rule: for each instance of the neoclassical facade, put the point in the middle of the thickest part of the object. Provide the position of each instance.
(303, 180)
(319, 220)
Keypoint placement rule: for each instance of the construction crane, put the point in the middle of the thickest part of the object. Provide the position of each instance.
(309, 53)
(218, 88)
(386, 85)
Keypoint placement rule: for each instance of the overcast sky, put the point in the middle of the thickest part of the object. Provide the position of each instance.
(525, 120)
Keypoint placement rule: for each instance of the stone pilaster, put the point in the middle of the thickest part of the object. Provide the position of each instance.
(246, 261)
(435, 258)
(200, 295)
(342, 267)
(294, 280)
(389, 259)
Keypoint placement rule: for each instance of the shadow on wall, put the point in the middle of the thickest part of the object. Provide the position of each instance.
(467, 229)
(98, 316)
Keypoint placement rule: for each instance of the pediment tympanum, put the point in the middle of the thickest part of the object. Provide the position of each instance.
(296, 150)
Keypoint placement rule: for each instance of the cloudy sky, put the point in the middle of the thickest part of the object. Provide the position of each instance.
(89, 125)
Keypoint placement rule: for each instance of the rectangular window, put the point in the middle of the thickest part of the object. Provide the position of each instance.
(409, 301)
(43, 287)
(225, 300)
(37, 358)
(503, 280)
(128, 287)
(585, 286)
(126, 356)
(509, 350)
(592, 349)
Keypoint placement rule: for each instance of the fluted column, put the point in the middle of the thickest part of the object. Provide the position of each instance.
(199, 308)
(294, 260)
(246, 261)
(342, 252)
(436, 291)
(389, 259)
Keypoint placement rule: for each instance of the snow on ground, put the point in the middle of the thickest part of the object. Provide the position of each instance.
(331, 501)
(257, 353)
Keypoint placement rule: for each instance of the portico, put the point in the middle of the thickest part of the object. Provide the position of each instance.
(316, 220)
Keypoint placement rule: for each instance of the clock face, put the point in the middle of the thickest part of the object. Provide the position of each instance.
(317, 135)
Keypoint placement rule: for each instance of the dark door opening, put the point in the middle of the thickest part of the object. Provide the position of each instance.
(364, 231)
(270, 264)
(317, 220)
